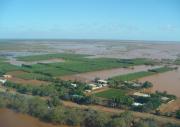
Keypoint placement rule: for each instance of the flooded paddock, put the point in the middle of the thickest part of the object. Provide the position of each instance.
(168, 81)
(14, 61)
(105, 74)
(10, 118)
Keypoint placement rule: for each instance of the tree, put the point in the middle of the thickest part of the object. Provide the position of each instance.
(146, 123)
(54, 101)
(37, 107)
(96, 79)
(117, 122)
(72, 118)
(178, 114)
(57, 115)
(95, 119)
(147, 84)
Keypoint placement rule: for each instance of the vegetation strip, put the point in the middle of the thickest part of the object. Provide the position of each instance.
(137, 75)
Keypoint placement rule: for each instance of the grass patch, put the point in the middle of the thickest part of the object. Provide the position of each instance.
(111, 93)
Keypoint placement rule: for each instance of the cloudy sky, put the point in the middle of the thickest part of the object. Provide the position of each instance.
(91, 19)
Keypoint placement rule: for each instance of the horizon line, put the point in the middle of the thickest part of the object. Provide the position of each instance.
(98, 39)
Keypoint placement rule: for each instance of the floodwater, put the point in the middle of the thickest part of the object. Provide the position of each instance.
(168, 81)
(13, 61)
(105, 74)
(9, 118)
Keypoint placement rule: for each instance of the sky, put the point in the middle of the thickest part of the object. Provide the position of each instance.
(91, 19)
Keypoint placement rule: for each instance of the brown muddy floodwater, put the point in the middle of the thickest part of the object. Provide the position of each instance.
(105, 74)
(168, 81)
(9, 118)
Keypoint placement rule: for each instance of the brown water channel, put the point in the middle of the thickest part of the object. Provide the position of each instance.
(168, 81)
(9, 118)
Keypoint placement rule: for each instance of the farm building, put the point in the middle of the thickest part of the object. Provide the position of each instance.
(102, 82)
(136, 85)
(93, 86)
(141, 94)
(3, 81)
(137, 104)
(74, 85)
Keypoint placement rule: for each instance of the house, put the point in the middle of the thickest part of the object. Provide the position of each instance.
(102, 82)
(93, 86)
(136, 85)
(7, 76)
(137, 104)
(141, 94)
(3, 81)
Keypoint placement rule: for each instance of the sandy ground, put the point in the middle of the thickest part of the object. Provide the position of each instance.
(105, 74)
(168, 81)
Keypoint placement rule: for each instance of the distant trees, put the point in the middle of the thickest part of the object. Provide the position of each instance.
(147, 84)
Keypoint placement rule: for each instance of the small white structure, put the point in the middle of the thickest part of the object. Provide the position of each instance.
(136, 85)
(141, 94)
(3, 81)
(93, 86)
(102, 82)
(137, 104)
(164, 98)
(74, 85)
(7, 76)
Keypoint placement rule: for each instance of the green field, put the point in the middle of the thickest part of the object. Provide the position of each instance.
(5, 66)
(28, 76)
(137, 75)
(75, 63)
(177, 61)
(111, 93)
(64, 56)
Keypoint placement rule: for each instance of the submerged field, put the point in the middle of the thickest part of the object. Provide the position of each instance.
(168, 81)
